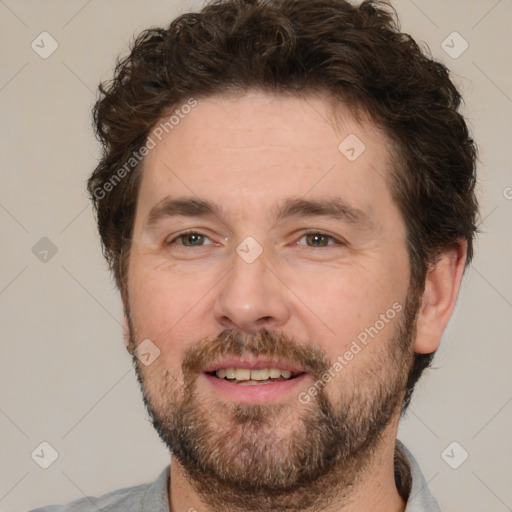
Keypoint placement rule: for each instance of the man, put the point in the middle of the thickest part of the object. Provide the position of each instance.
(286, 200)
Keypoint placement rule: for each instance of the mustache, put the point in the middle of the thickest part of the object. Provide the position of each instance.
(263, 343)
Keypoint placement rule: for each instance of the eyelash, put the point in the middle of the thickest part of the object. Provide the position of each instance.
(311, 232)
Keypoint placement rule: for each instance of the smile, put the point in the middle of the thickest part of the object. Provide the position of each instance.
(248, 377)
(253, 381)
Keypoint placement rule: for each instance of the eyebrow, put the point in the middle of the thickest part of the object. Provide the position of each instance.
(333, 207)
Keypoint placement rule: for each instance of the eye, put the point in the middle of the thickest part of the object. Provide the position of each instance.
(317, 239)
(190, 239)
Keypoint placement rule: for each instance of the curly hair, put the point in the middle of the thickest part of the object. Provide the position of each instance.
(357, 54)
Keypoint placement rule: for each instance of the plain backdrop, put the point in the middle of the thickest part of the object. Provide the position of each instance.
(65, 377)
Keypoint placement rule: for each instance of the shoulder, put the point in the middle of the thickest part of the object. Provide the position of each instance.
(419, 497)
(121, 499)
(127, 499)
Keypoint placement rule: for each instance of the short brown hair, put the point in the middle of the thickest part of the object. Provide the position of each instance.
(355, 53)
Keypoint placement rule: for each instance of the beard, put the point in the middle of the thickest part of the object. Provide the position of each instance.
(279, 456)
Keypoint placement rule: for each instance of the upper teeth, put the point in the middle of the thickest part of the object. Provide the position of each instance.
(247, 374)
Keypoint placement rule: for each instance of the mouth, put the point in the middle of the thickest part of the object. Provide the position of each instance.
(254, 377)
(253, 381)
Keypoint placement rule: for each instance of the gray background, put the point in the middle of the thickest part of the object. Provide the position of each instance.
(65, 377)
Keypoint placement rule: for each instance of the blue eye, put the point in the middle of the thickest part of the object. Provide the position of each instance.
(319, 239)
(314, 239)
(190, 239)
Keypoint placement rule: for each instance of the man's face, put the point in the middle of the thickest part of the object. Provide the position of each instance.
(267, 284)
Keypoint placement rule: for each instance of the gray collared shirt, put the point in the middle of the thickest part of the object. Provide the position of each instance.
(154, 497)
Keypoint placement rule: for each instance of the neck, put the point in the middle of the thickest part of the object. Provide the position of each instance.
(375, 488)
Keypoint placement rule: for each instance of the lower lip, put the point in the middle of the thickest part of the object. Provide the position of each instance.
(255, 393)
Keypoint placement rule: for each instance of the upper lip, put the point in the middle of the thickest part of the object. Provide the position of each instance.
(251, 364)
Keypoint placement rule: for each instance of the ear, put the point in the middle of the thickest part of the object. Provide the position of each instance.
(126, 334)
(442, 286)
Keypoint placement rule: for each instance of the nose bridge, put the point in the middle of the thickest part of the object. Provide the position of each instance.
(251, 296)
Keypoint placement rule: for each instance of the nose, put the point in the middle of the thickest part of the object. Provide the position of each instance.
(251, 297)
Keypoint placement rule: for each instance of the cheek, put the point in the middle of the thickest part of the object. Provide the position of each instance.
(361, 365)
(360, 309)
(172, 309)
(152, 306)
(347, 303)
(159, 303)
(162, 384)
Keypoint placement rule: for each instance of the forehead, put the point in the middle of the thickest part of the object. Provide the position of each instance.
(247, 152)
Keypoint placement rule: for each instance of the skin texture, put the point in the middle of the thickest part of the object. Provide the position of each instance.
(248, 153)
